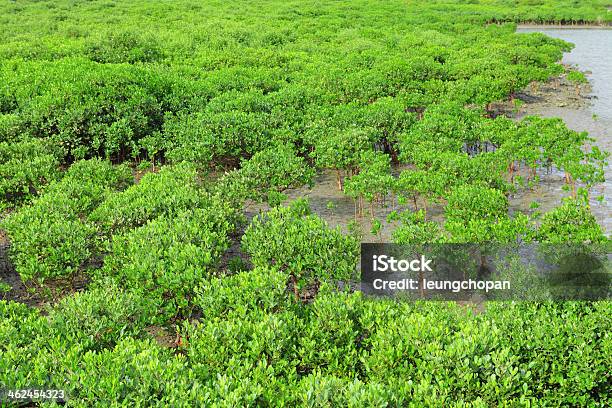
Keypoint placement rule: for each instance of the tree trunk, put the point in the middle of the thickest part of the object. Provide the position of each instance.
(360, 206)
(295, 288)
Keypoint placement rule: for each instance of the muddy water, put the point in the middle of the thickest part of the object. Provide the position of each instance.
(592, 54)
(338, 209)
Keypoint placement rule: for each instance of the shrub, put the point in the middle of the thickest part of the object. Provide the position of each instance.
(480, 214)
(18, 325)
(172, 190)
(86, 184)
(87, 109)
(47, 245)
(168, 257)
(243, 294)
(393, 353)
(9, 127)
(53, 353)
(124, 46)
(49, 237)
(134, 373)
(560, 348)
(267, 174)
(340, 149)
(246, 360)
(577, 77)
(295, 241)
(330, 341)
(25, 168)
(100, 317)
(319, 390)
(429, 352)
(570, 222)
(211, 139)
(472, 202)
(32, 354)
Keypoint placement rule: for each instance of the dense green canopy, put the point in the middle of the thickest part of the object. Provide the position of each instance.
(136, 136)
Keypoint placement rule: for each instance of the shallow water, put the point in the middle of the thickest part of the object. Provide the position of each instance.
(338, 209)
(550, 190)
(592, 53)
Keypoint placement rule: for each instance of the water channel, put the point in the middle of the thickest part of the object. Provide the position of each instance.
(592, 54)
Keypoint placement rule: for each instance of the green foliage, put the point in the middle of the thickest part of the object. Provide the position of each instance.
(100, 317)
(135, 372)
(50, 238)
(487, 357)
(318, 390)
(243, 294)
(88, 182)
(341, 149)
(472, 202)
(25, 168)
(341, 349)
(374, 179)
(18, 325)
(9, 127)
(48, 245)
(21, 327)
(446, 126)
(570, 222)
(268, 172)
(428, 185)
(577, 77)
(172, 190)
(557, 327)
(293, 240)
(254, 351)
(330, 342)
(414, 229)
(103, 110)
(208, 138)
(124, 46)
(477, 214)
(168, 257)
(272, 89)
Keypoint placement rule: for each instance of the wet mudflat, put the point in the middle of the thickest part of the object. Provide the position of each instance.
(590, 111)
(583, 108)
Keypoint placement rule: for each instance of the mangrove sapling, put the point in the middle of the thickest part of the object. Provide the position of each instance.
(266, 175)
(340, 150)
(570, 222)
(294, 240)
(26, 167)
(427, 185)
(373, 181)
(52, 237)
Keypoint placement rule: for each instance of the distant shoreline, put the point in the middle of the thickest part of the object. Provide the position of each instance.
(590, 26)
